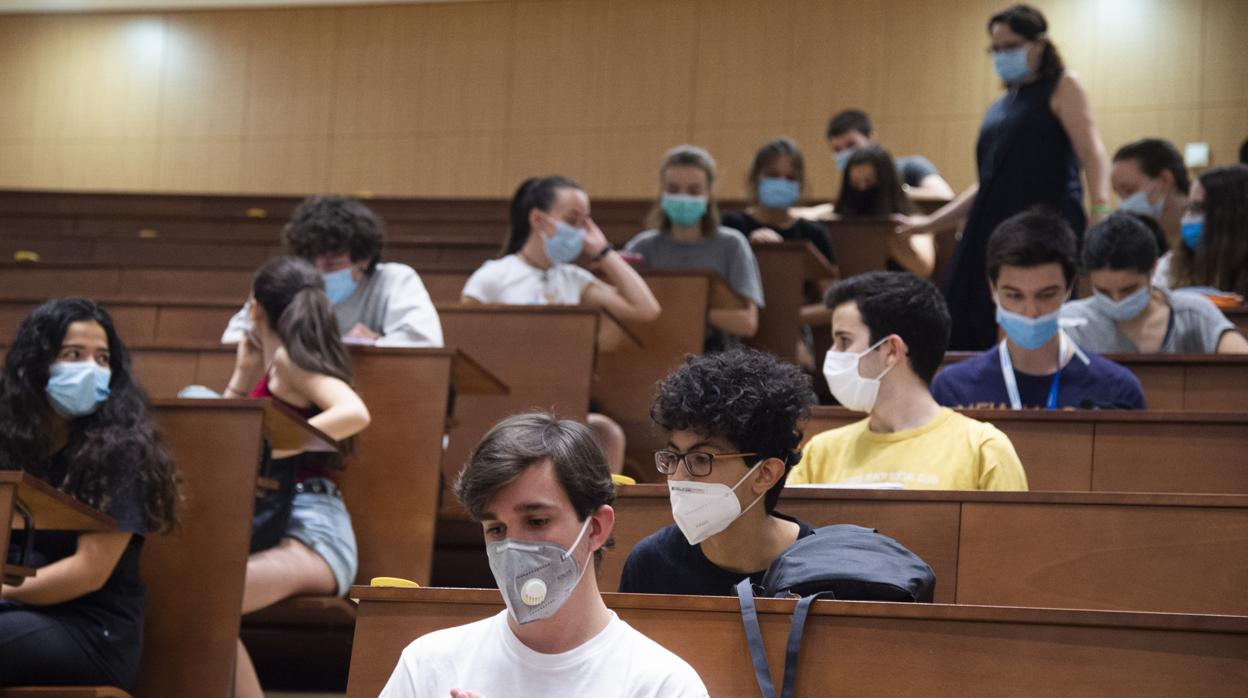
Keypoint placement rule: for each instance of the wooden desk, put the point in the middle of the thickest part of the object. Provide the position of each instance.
(626, 378)
(865, 648)
(1112, 450)
(779, 264)
(39, 282)
(49, 510)
(140, 322)
(195, 574)
(391, 484)
(860, 244)
(1239, 316)
(1133, 552)
(544, 354)
(1203, 382)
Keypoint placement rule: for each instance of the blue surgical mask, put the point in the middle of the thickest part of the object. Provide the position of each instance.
(1125, 309)
(1139, 203)
(75, 388)
(685, 210)
(777, 192)
(565, 245)
(1028, 333)
(339, 285)
(1011, 65)
(842, 159)
(1193, 228)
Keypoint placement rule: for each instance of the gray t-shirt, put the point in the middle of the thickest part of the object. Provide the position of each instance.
(727, 254)
(1196, 325)
(913, 169)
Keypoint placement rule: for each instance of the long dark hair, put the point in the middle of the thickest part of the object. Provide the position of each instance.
(885, 199)
(533, 193)
(1029, 23)
(1221, 258)
(292, 294)
(110, 450)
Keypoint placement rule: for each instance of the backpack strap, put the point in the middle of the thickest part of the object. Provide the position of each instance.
(754, 636)
(796, 628)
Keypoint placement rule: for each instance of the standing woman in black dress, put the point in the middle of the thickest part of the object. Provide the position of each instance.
(72, 414)
(1031, 144)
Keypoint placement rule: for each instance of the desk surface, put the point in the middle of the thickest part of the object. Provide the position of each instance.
(869, 648)
(54, 510)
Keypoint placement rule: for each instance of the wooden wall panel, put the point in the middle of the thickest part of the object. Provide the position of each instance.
(467, 99)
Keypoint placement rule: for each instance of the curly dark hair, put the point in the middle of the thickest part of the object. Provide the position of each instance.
(746, 397)
(115, 445)
(333, 224)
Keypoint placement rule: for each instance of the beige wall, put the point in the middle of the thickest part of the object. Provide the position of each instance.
(467, 99)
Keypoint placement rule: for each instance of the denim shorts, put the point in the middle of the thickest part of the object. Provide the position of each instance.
(321, 522)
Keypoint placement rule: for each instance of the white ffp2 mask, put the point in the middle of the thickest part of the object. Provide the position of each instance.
(840, 370)
(702, 509)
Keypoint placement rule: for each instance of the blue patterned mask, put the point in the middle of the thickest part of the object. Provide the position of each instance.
(1125, 309)
(1011, 65)
(75, 388)
(339, 285)
(777, 192)
(1028, 333)
(842, 159)
(566, 244)
(1193, 228)
(1139, 203)
(684, 210)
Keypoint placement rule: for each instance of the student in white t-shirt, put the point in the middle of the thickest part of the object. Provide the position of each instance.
(542, 492)
(541, 269)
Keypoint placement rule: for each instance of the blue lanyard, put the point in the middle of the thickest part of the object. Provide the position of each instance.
(1011, 383)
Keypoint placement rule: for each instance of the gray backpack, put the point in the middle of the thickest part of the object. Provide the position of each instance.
(844, 562)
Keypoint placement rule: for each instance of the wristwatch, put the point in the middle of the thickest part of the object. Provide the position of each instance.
(603, 253)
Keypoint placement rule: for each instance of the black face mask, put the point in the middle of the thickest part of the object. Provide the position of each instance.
(865, 202)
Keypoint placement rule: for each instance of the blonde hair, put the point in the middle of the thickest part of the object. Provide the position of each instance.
(691, 156)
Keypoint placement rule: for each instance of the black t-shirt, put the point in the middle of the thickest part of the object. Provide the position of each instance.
(803, 229)
(665, 563)
(108, 622)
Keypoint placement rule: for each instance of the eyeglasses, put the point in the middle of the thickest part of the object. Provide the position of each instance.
(698, 463)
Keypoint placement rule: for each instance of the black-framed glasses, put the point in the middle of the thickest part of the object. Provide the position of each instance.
(698, 463)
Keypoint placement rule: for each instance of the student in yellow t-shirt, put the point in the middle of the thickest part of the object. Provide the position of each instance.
(889, 333)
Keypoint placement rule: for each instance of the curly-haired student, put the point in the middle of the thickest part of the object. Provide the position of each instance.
(732, 422)
(72, 414)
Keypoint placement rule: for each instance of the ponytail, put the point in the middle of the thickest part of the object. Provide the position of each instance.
(534, 192)
(309, 332)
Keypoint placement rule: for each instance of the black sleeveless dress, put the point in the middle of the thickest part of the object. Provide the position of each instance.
(1025, 159)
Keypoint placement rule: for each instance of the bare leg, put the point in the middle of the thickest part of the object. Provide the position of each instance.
(246, 683)
(611, 438)
(287, 569)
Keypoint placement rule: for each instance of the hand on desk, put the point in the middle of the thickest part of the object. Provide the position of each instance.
(361, 332)
(765, 235)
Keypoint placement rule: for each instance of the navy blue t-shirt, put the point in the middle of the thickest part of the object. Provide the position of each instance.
(665, 563)
(1100, 383)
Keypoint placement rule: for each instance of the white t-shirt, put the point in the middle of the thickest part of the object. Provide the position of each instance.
(513, 281)
(487, 658)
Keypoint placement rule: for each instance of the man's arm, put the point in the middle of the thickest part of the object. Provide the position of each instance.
(410, 319)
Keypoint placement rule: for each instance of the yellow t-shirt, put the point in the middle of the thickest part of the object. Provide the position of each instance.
(952, 452)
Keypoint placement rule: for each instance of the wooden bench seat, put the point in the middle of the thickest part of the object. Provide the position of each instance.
(1112, 450)
(1134, 552)
(862, 648)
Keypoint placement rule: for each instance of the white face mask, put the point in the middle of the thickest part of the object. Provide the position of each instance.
(840, 369)
(702, 509)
